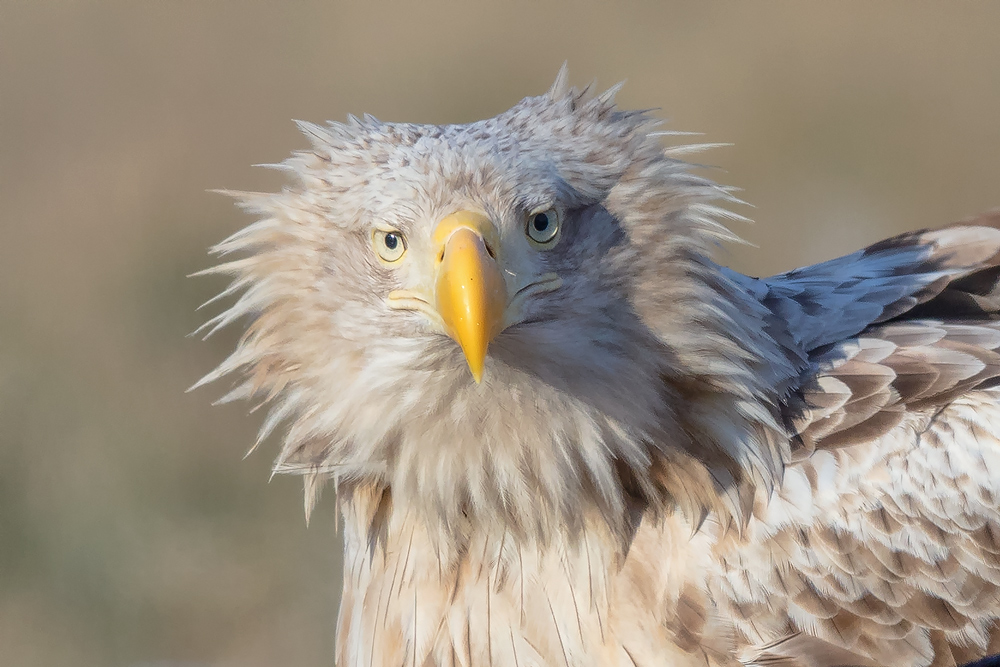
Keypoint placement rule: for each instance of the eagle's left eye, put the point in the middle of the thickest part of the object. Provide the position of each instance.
(389, 245)
(543, 226)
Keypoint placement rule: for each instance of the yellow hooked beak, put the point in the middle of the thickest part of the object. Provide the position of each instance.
(470, 292)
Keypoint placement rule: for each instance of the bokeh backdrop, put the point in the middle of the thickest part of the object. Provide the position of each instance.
(131, 530)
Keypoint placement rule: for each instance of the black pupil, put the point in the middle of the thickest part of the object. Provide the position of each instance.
(391, 241)
(541, 222)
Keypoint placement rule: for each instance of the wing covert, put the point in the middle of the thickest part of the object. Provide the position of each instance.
(909, 323)
(883, 539)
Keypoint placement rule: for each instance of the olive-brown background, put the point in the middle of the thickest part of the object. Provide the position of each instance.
(131, 532)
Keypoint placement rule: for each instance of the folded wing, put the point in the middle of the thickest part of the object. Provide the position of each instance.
(882, 545)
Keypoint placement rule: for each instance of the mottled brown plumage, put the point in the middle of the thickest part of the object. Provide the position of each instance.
(654, 460)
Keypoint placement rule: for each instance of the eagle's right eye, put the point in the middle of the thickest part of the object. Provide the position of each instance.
(389, 245)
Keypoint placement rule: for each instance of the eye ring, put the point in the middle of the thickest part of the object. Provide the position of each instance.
(389, 245)
(542, 227)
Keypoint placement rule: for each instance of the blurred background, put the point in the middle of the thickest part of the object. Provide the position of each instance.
(131, 532)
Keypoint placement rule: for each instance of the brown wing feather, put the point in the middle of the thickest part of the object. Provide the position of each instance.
(921, 364)
(882, 545)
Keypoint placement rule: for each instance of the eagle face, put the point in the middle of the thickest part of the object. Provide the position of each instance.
(464, 233)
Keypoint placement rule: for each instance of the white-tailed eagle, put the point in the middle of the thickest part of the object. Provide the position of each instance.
(562, 435)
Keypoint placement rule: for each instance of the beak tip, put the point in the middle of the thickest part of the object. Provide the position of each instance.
(477, 374)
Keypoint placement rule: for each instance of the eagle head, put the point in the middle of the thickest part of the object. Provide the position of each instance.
(503, 321)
